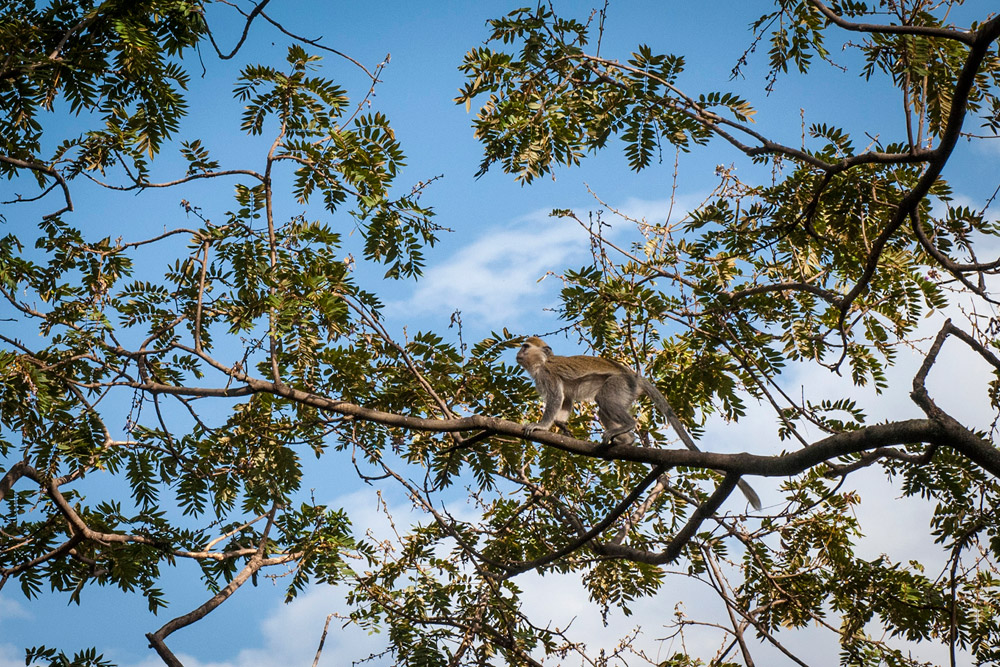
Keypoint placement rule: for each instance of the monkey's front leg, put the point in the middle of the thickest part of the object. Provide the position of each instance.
(556, 413)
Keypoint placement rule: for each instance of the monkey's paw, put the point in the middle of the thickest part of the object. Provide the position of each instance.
(610, 439)
(531, 428)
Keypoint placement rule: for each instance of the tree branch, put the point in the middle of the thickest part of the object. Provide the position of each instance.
(598, 528)
(683, 536)
(979, 49)
(156, 639)
(781, 465)
(48, 171)
(928, 31)
(246, 30)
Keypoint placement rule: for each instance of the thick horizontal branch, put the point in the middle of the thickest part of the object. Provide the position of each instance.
(932, 431)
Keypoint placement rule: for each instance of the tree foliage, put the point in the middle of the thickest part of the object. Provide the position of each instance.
(259, 347)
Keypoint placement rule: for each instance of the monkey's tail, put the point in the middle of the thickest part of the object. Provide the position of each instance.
(660, 401)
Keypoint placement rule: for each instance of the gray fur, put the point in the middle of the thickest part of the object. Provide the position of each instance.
(561, 381)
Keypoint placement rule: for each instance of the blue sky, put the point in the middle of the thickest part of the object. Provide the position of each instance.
(489, 268)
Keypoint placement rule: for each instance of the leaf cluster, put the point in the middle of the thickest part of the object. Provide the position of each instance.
(118, 60)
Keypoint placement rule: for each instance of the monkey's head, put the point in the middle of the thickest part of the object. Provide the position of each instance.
(533, 353)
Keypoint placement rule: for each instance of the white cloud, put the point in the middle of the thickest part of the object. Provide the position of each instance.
(497, 279)
(957, 382)
(11, 656)
(561, 601)
(503, 277)
(659, 211)
(290, 635)
(653, 211)
(12, 609)
(891, 524)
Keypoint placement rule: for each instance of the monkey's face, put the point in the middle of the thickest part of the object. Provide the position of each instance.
(533, 354)
(523, 353)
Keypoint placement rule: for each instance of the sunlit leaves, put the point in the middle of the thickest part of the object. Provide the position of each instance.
(305, 106)
(814, 266)
(551, 103)
(197, 157)
(119, 64)
(85, 658)
(355, 163)
(233, 345)
(244, 277)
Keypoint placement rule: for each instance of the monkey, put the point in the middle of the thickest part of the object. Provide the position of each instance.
(614, 387)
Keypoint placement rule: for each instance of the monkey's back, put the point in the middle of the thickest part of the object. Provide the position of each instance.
(588, 374)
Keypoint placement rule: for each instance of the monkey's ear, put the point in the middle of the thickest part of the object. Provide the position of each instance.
(548, 351)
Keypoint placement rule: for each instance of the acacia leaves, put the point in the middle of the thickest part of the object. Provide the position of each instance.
(553, 103)
(117, 60)
(200, 370)
(338, 163)
(832, 259)
(138, 323)
(796, 256)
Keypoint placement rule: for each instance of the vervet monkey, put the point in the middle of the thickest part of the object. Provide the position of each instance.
(563, 380)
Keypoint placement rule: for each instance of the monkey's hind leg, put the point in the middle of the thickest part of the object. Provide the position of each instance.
(613, 402)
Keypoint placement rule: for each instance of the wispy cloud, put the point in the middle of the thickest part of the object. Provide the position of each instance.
(657, 211)
(11, 656)
(498, 279)
(12, 609)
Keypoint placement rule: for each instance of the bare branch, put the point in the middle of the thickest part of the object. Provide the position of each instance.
(314, 42)
(156, 639)
(50, 172)
(599, 528)
(246, 30)
(322, 640)
(683, 536)
(929, 31)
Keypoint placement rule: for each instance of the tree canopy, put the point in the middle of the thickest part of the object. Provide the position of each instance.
(203, 368)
